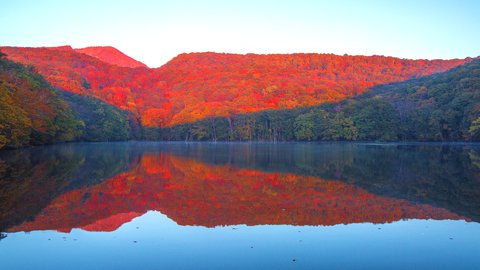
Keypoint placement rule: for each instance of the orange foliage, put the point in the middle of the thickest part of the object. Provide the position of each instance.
(194, 86)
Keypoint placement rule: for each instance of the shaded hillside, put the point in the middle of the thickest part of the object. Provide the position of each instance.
(193, 87)
(112, 56)
(33, 113)
(440, 107)
(101, 121)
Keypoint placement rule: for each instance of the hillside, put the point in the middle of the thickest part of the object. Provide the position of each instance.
(33, 113)
(440, 107)
(30, 111)
(196, 86)
(132, 89)
(112, 56)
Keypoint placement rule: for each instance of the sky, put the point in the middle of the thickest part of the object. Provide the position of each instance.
(156, 31)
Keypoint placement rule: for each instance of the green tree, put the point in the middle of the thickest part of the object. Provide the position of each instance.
(474, 129)
(375, 119)
(15, 126)
(342, 128)
(304, 127)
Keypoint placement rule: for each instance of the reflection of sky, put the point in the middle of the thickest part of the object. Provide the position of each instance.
(154, 31)
(162, 244)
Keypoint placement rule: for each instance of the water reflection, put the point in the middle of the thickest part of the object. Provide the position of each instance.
(98, 187)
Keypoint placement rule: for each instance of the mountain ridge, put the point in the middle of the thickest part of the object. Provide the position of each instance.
(197, 86)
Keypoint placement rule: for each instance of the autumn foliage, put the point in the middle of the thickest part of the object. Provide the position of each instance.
(30, 111)
(195, 86)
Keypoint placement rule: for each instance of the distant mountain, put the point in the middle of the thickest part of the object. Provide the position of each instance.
(112, 56)
(192, 87)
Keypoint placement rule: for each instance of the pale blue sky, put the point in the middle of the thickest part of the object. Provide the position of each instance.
(156, 31)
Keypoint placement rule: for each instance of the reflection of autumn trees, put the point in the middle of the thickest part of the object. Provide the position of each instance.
(442, 175)
(198, 183)
(195, 86)
(194, 193)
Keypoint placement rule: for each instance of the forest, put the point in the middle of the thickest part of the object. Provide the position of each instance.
(439, 107)
(196, 86)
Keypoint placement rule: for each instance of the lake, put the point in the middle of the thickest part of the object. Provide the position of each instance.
(156, 205)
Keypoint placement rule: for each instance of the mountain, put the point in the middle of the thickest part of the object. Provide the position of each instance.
(112, 56)
(440, 107)
(210, 84)
(196, 86)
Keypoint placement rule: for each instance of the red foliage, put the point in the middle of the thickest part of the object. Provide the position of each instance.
(112, 56)
(193, 86)
(194, 193)
(133, 89)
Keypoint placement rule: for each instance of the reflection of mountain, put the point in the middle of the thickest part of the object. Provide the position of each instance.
(194, 193)
(100, 186)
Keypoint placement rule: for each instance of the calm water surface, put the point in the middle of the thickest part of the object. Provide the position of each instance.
(149, 205)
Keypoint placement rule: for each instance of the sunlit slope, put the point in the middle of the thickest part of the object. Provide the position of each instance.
(112, 56)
